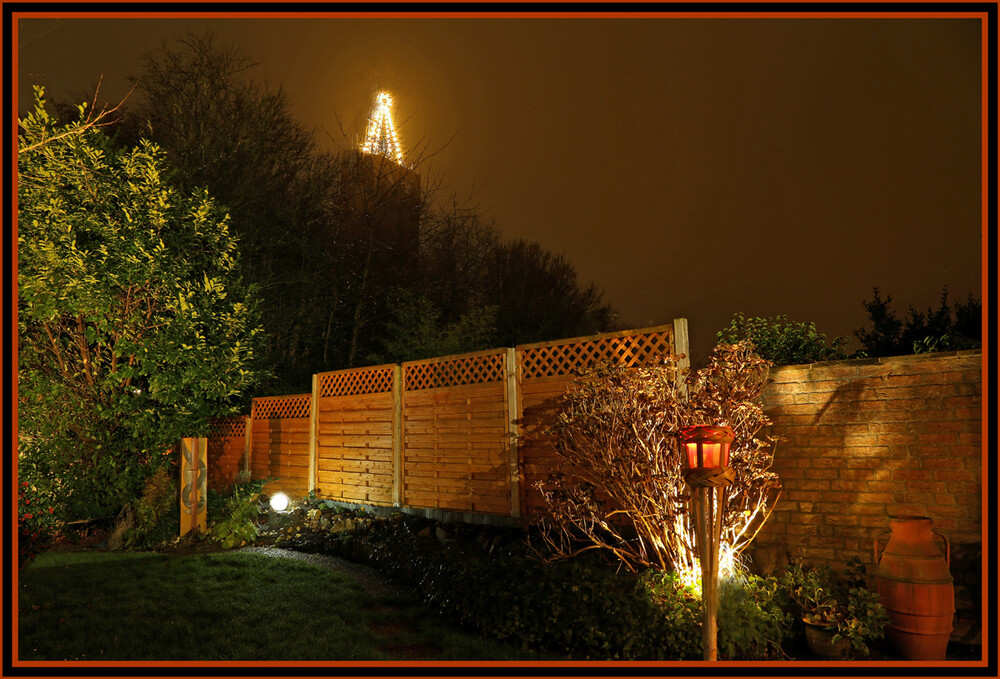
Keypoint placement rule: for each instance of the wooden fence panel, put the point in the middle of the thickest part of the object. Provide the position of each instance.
(354, 435)
(226, 445)
(545, 371)
(455, 443)
(279, 442)
(539, 401)
(437, 433)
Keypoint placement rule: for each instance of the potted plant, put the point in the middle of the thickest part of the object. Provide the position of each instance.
(839, 617)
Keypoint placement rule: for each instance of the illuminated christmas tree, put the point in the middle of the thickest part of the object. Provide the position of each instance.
(381, 136)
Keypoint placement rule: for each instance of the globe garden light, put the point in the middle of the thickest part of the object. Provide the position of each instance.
(279, 502)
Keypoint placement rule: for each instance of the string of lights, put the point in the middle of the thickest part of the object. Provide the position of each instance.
(381, 136)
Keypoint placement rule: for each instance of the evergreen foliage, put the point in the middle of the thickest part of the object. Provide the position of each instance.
(134, 326)
(941, 329)
(416, 330)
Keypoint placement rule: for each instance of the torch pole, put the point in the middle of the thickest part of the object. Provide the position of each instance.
(709, 574)
(708, 474)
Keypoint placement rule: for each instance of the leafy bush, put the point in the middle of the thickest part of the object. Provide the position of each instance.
(936, 330)
(134, 323)
(580, 608)
(618, 484)
(151, 517)
(752, 618)
(36, 524)
(855, 612)
(237, 512)
(783, 342)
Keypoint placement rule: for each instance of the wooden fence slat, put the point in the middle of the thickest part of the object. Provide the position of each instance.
(397, 436)
(313, 431)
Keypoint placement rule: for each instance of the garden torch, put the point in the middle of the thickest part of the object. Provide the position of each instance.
(706, 468)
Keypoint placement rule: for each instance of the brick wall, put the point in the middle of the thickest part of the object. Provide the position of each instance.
(862, 440)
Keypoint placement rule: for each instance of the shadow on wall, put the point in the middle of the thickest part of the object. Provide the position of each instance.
(863, 440)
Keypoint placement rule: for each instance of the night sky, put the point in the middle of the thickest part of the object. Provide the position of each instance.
(690, 167)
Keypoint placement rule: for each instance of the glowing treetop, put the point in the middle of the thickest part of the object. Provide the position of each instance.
(381, 136)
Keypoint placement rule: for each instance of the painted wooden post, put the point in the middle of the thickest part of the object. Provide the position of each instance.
(397, 435)
(194, 485)
(513, 414)
(313, 432)
(247, 434)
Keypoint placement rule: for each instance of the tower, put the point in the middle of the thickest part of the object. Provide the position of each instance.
(382, 197)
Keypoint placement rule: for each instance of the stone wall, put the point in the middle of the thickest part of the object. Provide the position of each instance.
(866, 439)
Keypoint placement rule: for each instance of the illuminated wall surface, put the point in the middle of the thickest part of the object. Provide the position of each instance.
(872, 438)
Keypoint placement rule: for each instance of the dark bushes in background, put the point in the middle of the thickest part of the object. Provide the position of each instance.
(945, 329)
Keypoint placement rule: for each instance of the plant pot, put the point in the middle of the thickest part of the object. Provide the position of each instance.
(915, 583)
(821, 643)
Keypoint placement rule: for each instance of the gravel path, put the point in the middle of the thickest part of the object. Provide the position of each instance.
(370, 580)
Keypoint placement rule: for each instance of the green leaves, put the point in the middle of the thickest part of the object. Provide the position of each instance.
(854, 612)
(133, 325)
(752, 618)
(783, 342)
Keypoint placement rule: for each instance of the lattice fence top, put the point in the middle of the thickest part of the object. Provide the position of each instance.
(234, 425)
(561, 359)
(374, 380)
(452, 372)
(282, 407)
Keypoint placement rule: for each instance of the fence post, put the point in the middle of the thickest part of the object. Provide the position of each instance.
(247, 434)
(313, 431)
(513, 414)
(682, 346)
(194, 485)
(397, 435)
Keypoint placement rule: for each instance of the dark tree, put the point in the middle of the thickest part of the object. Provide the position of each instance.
(134, 326)
(331, 238)
(538, 296)
(922, 332)
(237, 137)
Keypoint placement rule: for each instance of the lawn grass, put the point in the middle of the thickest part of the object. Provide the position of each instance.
(225, 606)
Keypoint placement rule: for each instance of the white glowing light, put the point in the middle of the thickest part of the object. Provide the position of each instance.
(729, 567)
(381, 136)
(279, 502)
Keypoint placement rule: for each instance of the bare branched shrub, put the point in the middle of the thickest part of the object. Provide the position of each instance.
(137, 519)
(619, 486)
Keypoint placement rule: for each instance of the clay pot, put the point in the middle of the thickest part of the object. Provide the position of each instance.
(916, 587)
(821, 643)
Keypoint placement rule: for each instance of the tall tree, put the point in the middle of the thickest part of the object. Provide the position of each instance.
(236, 136)
(134, 326)
(380, 212)
(538, 296)
(331, 238)
(456, 249)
